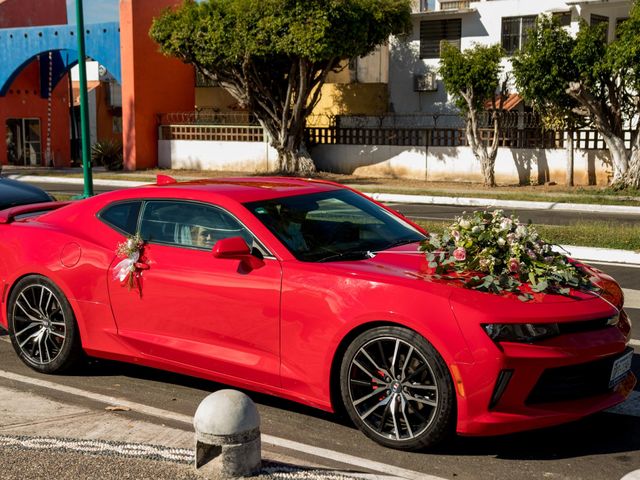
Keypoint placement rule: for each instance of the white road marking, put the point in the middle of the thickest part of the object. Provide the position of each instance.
(267, 439)
(180, 455)
(613, 264)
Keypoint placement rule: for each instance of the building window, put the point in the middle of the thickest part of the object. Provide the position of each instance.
(563, 18)
(433, 32)
(23, 141)
(515, 31)
(620, 21)
(597, 21)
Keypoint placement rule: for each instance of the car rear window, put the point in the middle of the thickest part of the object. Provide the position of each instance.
(122, 216)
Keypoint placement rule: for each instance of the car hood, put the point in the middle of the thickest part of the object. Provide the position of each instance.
(406, 264)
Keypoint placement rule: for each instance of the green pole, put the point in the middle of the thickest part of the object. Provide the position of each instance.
(84, 106)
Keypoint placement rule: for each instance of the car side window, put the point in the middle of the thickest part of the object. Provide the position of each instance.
(189, 224)
(122, 216)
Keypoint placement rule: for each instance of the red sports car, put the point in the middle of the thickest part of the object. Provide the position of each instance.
(306, 290)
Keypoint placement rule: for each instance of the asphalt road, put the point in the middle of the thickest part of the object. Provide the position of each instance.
(540, 217)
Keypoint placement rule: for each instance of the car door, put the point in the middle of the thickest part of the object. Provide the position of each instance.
(197, 310)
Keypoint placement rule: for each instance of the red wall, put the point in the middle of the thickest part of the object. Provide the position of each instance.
(151, 83)
(23, 101)
(32, 13)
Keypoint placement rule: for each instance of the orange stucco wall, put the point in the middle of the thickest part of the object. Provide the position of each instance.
(151, 83)
(32, 13)
(23, 101)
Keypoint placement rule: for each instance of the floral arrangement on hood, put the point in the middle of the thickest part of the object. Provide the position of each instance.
(490, 252)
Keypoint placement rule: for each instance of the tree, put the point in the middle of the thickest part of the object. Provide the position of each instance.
(599, 79)
(472, 77)
(273, 56)
(549, 48)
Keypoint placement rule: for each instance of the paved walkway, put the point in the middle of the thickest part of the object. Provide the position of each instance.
(41, 437)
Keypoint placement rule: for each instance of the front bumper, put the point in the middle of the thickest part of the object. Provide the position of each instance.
(552, 382)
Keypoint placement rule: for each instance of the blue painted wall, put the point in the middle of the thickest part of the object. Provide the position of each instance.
(20, 46)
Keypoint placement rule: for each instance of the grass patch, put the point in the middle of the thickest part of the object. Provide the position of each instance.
(585, 234)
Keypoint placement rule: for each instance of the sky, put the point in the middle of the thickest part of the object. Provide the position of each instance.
(95, 11)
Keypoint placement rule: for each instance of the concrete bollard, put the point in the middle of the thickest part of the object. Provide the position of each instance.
(227, 426)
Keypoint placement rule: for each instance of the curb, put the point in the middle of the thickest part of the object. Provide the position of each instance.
(606, 255)
(588, 254)
(489, 202)
(77, 181)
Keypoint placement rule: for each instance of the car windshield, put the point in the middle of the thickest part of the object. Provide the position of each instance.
(333, 226)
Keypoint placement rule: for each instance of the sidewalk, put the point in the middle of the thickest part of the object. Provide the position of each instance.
(64, 440)
(587, 254)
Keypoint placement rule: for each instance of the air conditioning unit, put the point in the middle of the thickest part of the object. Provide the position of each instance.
(425, 83)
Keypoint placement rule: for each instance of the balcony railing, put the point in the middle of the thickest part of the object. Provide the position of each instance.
(454, 4)
(422, 6)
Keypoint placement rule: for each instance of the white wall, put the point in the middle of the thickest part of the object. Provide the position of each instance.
(210, 155)
(433, 164)
(459, 163)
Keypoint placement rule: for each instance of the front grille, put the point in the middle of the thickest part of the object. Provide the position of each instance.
(573, 382)
(586, 326)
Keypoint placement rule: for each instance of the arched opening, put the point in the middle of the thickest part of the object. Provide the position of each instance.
(40, 111)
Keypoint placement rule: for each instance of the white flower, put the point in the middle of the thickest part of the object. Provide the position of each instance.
(505, 224)
(465, 224)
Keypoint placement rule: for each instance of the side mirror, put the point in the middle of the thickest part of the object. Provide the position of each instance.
(233, 247)
(236, 248)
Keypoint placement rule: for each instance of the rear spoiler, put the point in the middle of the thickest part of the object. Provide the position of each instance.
(8, 215)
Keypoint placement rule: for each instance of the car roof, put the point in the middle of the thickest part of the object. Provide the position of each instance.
(239, 189)
(13, 193)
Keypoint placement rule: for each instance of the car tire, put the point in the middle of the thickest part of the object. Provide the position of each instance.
(397, 389)
(42, 326)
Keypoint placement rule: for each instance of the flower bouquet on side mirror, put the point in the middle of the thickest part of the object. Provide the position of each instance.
(490, 252)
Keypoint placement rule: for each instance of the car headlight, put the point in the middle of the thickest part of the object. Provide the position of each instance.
(521, 332)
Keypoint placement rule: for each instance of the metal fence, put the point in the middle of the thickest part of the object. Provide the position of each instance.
(520, 131)
(214, 133)
(434, 137)
(208, 116)
(527, 138)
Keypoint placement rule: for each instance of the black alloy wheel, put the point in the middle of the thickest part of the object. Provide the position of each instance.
(42, 326)
(397, 389)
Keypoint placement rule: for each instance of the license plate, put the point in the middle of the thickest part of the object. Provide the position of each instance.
(620, 368)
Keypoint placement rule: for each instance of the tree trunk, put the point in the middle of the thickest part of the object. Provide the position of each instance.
(632, 179)
(487, 158)
(295, 162)
(619, 159)
(570, 159)
(488, 167)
